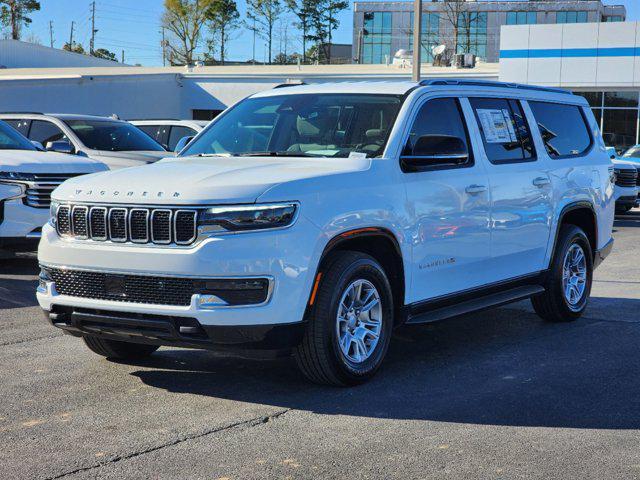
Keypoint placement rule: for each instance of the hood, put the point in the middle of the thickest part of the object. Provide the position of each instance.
(203, 180)
(619, 163)
(124, 159)
(32, 161)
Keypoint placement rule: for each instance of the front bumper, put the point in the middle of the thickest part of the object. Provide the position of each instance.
(287, 257)
(176, 331)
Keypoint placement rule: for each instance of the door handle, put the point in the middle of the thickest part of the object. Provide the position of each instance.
(475, 189)
(541, 181)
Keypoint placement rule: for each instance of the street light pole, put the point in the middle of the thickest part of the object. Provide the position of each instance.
(417, 31)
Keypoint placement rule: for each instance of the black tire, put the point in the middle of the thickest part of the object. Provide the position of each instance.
(319, 355)
(552, 305)
(118, 350)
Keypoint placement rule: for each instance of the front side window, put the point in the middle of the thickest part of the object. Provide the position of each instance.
(112, 136)
(312, 125)
(10, 139)
(178, 132)
(505, 133)
(157, 132)
(21, 126)
(438, 122)
(562, 127)
(45, 132)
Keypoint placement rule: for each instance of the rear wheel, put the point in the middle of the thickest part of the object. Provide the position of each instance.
(350, 324)
(569, 282)
(118, 350)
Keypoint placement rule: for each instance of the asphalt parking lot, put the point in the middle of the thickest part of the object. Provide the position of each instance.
(493, 395)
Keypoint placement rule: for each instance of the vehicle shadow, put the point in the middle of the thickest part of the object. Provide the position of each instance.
(503, 367)
(18, 282)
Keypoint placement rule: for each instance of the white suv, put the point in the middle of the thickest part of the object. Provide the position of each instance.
(27, 178)
(319, 217)
(172, 134)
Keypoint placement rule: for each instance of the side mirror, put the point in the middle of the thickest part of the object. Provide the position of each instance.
(60, 146)
(433, 150)
(38, 145)
(182, 143)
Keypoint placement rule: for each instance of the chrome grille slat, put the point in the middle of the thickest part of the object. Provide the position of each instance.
(38, 192)
(128, 224)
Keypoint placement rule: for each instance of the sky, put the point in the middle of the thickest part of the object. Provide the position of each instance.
(134, 26)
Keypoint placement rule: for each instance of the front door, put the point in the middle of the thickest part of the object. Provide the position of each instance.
(449, 208)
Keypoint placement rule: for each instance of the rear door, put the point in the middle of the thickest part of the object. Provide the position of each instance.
(521, 193)
(448, 205)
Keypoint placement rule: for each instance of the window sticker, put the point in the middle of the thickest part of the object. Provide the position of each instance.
(497, 125)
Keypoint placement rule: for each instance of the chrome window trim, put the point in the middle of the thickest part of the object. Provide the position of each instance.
(106, 224)
(118, 239)
(195, 227)
(86, 220)
(153, 213)
(147, 223)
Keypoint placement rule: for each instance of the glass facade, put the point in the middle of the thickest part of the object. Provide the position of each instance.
(614, 18)
(617, 115)
(472, 33)
(572, 17)
(376, 38)
(522, 18)
(430, 34)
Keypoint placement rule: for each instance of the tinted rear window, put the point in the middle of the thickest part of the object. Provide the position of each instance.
(563, 129)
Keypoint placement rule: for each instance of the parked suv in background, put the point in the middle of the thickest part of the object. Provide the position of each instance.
(114, 142)
(627, 180)
(319, 217)
(169, 132)
(27, 178)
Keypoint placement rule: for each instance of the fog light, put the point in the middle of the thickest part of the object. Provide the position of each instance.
(205, 302)
(44, 280)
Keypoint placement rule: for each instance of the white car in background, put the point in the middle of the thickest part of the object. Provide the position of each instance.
(627, 182)
(168, 133)
(109, 140)
(27, 178)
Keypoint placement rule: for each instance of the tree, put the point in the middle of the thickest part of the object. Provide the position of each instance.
(302, 9)
(224, 19)
(459, 18)
(323, 22)
(184, 19)
(265, 13)
(104, 53)
(75, 48)
(14, 14)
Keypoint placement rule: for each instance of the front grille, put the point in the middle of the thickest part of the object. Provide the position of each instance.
(626, 177)
(156, 290)
(38, 193)
(638, 175)
(161, 226)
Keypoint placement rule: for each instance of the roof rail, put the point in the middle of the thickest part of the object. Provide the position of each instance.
(21, 113)
(488, 83)
(289, 84)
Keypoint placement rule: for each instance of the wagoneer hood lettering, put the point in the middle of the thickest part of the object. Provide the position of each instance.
(201, 180)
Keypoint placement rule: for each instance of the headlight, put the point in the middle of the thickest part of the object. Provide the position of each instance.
(16, 177)
(239, 218)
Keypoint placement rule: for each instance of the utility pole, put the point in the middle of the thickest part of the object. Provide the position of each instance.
(253, 56)
(123, 55)
(93, 28)
(71, 36)
(51, 32)
(417, 31)
(164, 50)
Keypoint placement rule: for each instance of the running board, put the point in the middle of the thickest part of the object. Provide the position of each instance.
(476, 304)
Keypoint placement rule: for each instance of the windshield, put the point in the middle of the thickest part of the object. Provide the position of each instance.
(633, 152)
(112, 136)
(10, 139)
(314, 125)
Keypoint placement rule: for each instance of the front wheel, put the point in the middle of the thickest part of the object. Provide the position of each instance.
(569, 282)
(350, 322)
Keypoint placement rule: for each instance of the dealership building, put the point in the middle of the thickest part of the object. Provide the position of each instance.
(380, 29)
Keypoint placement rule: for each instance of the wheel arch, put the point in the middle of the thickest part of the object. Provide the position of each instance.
(378, 242)
(583, 215)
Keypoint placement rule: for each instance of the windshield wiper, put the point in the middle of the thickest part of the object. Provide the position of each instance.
(276, 154)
